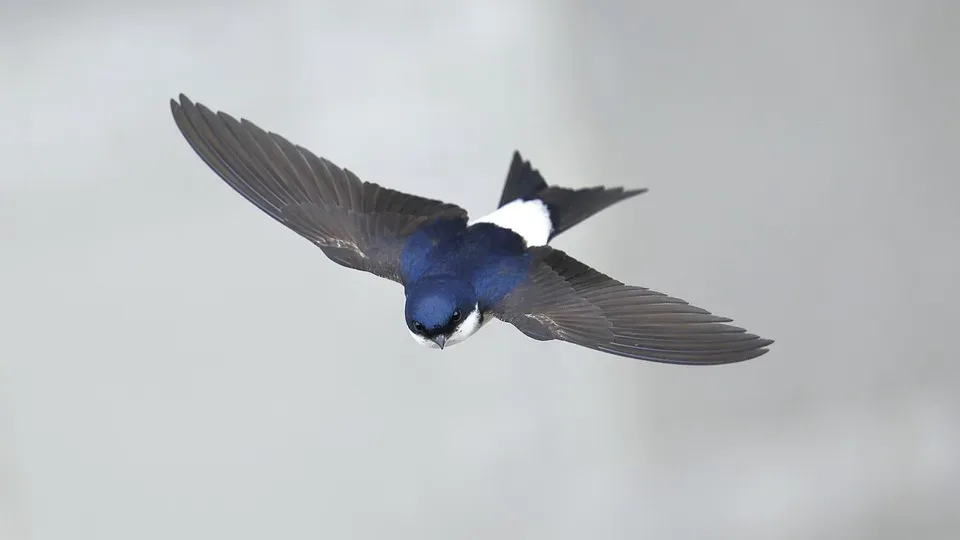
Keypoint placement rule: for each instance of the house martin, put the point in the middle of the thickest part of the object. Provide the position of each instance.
(458, 273)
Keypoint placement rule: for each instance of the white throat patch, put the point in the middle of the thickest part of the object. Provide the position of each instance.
(529, 219)
(468, 327)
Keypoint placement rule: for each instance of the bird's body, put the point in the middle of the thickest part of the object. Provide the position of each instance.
(488, 256)
(459, 274)
(477, 264)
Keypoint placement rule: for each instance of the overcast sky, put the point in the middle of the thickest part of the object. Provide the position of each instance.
(174, 364)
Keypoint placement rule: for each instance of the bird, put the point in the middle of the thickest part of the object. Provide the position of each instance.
(458, 273)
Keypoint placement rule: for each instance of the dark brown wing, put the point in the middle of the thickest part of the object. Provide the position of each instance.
(567, 300)
(357, 224)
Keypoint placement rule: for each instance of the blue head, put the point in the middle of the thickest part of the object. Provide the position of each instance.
(442, 311)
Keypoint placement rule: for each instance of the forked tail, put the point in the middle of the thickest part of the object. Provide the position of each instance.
(567, 207)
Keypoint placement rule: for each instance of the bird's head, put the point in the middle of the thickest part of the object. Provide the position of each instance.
(442, 311)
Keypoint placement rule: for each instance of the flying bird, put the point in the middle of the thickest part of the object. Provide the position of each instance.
(457, 273)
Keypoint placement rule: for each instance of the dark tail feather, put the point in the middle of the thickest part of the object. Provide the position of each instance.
(567, 206)
(523, 181)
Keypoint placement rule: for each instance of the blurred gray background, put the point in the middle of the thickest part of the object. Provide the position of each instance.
(174, 364)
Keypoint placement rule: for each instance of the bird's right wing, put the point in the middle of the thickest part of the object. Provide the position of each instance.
(567, 300)
(357, 224)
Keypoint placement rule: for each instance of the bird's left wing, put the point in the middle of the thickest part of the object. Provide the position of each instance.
(357, 224)
(564, 299)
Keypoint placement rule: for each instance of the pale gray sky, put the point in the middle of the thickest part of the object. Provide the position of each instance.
(174, 364)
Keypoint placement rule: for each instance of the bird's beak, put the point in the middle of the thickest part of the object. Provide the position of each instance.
(440, 340)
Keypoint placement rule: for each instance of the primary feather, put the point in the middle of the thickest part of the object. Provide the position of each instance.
(457, 274)
(567, 300)
(357, 224)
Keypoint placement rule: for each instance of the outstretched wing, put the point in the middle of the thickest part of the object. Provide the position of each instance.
(357, 224)
(567, 300)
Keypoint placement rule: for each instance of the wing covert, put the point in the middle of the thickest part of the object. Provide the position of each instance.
(357, 224)
(567, 300)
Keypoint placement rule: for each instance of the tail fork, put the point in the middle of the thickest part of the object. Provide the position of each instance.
(567, 207)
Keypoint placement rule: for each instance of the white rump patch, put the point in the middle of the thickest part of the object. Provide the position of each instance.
(529, 219)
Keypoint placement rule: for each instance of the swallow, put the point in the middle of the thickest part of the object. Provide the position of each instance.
(458, 274)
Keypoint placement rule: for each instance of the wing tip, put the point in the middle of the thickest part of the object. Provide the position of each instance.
(730, 352)
(181, 101)
(178, 104)
(760, 347)
(752, 349)
(182, 104)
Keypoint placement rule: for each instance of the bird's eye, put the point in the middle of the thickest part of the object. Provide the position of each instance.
(417, 326)
(456, 315)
